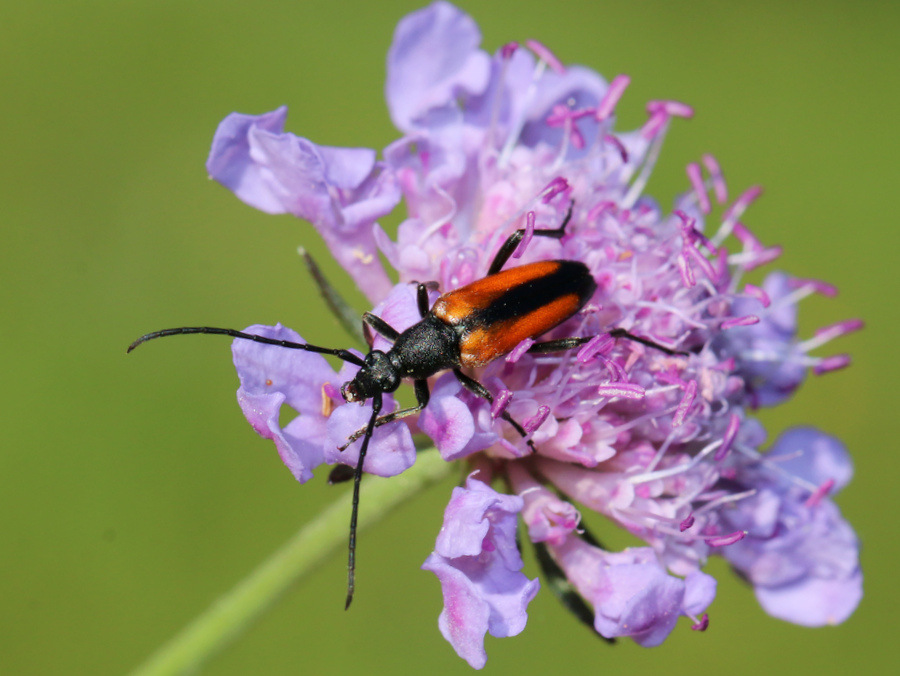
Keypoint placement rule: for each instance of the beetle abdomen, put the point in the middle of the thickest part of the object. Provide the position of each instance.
(496, 313)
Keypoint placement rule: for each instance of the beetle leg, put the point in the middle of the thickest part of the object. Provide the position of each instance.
(422, 290)
(558, 345)
(422, 299)
(381, 326)
(568, 343)
(509, 246)
(422, 396)
(477, 388)
(622, 333)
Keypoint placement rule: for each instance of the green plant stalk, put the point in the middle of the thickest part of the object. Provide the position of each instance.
(235, 612)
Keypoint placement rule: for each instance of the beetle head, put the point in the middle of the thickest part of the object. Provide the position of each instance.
(376, 375)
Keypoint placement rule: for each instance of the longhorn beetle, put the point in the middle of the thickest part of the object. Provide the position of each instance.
(468, 327)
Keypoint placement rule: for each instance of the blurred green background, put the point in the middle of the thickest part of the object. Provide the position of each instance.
(132, 490)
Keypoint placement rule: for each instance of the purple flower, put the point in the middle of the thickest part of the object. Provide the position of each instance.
(479, 566)
(341, 191)
(631, 592)
(303, 381)
(662, 445)
(800, 555)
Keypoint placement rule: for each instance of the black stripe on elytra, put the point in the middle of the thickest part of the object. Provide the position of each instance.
(570, 277)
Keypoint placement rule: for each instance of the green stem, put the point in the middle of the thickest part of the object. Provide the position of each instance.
(234, 613)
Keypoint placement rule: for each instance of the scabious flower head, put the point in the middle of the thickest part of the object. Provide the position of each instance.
(662, 444)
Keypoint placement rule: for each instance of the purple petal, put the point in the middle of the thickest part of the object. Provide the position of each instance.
(341, 191)
(391, 449)
(812, 455)
(465, 617)
(639, 600)
(630, 591)
(450, 422)
(699, 592)
(801, 558)
(230, 161)
(768, 357)
(549, 519)
(479, 567)
(433, 60)
(813, 602)
(577, 88)
(472, 512)
(272, 376)
(279, 172)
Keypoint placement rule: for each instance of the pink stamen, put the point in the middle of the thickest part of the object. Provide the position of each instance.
(748, 320)
(688, 231)
(685, 404)
(671, 108)
(703, 624)
(705, 242)
(693, 172)
(507, 50)
(725, 540)
(839, 329)
(519, 350)
(594, 346)
(598, 209)
(620, 389)
(740, 205)
(611, 97)
(718, 181)
(721, 262)
(501, 401)
(834, 363)
(616, 369)
(763, 257)
(703, 262)
(526, 237)
(559, 115)
(734, 424)
(532, 424)
(576, 138)
(623, 153)
(582, 112)
(545, 55)
(653, 126)
(818, 286)
(671, 377)
(757, 293)
(687, 273)
(691, 235)
(554, 188)
(745, 237)
(816, 497)
(687, 523)
(760, 255)
(726, 366)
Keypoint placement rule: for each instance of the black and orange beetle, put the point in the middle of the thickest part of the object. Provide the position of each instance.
(468, 327)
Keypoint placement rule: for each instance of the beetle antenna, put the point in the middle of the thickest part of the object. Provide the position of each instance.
(345, 355)
(354, 512)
